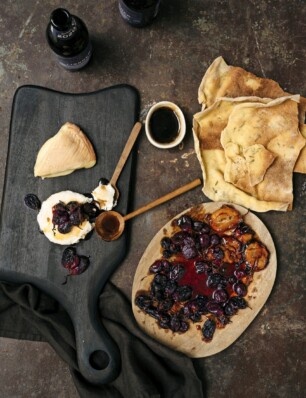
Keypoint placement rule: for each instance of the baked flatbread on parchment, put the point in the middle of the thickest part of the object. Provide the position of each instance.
(208, 126)
(222, 80)
(261, 144)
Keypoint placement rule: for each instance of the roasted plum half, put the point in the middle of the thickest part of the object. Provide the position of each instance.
(256, 255)
(227, 217)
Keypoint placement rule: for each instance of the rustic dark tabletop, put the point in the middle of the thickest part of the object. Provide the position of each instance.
(166, 61)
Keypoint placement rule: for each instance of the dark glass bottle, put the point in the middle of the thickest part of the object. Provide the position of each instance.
(139, 13)
(68, 38)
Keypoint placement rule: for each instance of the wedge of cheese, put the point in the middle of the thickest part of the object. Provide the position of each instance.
(65, 152)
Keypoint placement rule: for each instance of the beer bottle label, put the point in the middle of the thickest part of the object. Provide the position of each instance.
(77, 61)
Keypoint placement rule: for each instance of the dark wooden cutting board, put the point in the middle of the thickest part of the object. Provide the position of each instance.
(107, 117)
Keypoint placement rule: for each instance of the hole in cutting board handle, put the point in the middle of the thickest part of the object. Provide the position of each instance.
(99, 359)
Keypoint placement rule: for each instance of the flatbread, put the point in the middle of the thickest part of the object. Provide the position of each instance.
(300, 165)
(222, 80)
(65, 152)
(207, 128)
(262, 143)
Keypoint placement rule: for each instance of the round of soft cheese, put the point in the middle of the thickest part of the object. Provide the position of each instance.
(105, 196)
(44, 219)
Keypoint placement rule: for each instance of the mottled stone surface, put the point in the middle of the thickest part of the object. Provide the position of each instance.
(166, 61)
(30, 369)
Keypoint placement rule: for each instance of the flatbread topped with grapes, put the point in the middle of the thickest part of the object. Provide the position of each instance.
(203, 278)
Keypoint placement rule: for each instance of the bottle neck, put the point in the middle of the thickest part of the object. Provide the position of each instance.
(61, 19)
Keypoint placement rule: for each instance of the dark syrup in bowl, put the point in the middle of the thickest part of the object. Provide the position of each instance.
(164, 125)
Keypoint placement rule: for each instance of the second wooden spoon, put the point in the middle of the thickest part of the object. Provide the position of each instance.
(124, 156)
(110, 224)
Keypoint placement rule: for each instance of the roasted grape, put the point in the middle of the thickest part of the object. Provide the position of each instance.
(240, 288)
(32, 201)
(220, 296)
(73, 262)
(182, 293)
(143, 301)
(68, 256)
(208, 329)
(177, 272)
(165, 242)
(238, 302)
(185, 223)
(91, 210)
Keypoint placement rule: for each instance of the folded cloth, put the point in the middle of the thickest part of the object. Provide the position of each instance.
(148, 368)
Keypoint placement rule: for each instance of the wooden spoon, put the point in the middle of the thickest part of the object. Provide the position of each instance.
(110, 224)
(124, 156)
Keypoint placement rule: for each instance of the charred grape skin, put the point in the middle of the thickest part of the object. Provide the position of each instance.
(157, 266)
(76, 217)
(185, 223)
(204, 240)
(66, 216)
(167, 253)
(72, 206)
(215, 280)
(64, 228)
(178, 237)
(160, 279)
(189, 251)
(32, 201)
(184, 326)
(59, 216)
(164, 320)
(223, 320)
(143, 301)
(68, 256)
(238, 302)
(165, 243)
(81, 267)
(152, 311)
(215, 239)
(240, 289)
(90, 210)
(208, 329)
(165, 305)
(177, 272)
(59, 207)
(202, 267)
(74, 263)
(214, 308)
(160, 266)
(182, 293)
(170, 288)
(220, 296)
(201, 227)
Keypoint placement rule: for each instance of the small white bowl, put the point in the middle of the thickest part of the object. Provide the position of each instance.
(182, 125)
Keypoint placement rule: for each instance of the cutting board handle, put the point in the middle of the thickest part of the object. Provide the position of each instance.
(98, 355)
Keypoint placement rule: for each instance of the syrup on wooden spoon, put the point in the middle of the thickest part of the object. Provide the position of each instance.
(110, 224)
